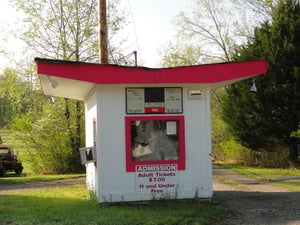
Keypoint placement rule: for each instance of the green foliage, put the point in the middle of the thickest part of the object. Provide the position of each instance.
(45, 133)
(60, 29)
(46, 139)
(67, 29)
(14, 96)
(235, 153)
(267, 118)
(218, 126)
(295, 134)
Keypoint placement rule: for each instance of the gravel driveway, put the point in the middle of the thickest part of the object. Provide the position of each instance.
(253, 202)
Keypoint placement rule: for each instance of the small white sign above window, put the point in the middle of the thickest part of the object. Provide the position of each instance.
(195, 94)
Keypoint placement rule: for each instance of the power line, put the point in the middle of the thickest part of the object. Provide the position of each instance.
(135, 33)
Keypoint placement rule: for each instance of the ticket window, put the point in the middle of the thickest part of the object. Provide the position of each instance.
(87, 155)
(154, 140)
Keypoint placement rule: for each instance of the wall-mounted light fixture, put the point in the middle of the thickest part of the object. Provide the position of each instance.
(253, 86)
(52, 83)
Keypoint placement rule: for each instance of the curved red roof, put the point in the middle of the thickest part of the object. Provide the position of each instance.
(112, 74)
(211, 75)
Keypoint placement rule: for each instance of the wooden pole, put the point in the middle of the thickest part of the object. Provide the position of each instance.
(135, 58)
(103, 52)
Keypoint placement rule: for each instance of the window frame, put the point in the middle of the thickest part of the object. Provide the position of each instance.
(180, 162)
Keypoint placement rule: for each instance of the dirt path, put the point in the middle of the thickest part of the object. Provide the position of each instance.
(6, 189)
(252, 202)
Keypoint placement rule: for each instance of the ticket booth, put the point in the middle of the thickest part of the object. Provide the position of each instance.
(147, 130)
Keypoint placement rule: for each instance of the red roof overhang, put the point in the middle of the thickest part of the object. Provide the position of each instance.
(74, 76)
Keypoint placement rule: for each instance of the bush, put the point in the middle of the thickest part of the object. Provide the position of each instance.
(238, 154)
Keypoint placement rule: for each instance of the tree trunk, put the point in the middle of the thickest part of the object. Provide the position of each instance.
(76, 163)
(293, 151)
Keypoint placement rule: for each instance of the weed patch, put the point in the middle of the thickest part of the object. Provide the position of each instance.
(74, 205)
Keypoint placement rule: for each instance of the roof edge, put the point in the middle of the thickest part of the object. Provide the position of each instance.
(61, 61)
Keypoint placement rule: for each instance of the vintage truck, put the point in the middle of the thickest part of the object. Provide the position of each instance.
(9, 161)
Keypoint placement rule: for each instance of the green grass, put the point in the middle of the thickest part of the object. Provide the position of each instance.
(74, 205)
(265, 174)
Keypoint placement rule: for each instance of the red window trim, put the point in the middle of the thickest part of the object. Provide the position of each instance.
(131, 165)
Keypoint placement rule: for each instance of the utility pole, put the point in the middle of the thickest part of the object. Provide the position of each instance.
(103, 52)
(135, 58)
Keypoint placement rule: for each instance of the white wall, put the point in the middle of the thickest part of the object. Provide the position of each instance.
(112, 177)
(113, 183)
(90, 116)
(198, 174)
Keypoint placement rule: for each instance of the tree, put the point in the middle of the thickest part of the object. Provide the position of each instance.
(68, 29)
(208, 29)
(270, 117)
(59, 29)
(264, 8)
(213, 29)
(42, 138)
(14, 93)
(65, 29)
(179, 54)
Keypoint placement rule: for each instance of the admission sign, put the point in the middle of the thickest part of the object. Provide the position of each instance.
(156, 179)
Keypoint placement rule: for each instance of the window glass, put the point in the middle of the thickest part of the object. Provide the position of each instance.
(154, 140)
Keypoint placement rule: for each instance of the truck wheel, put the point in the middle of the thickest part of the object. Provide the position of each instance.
(2, 171)
(18, 171)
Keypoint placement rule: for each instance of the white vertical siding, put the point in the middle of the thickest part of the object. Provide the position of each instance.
(113, 183)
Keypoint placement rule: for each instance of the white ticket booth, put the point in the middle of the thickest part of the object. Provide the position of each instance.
(147, 130)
